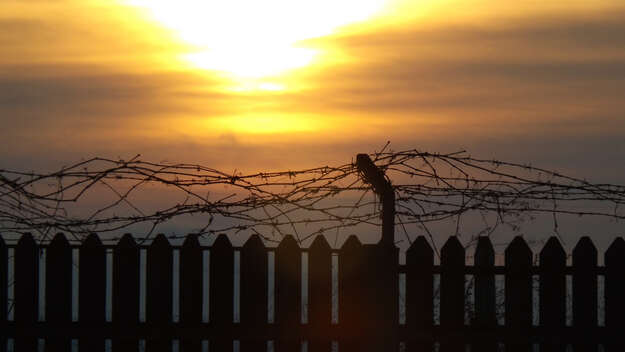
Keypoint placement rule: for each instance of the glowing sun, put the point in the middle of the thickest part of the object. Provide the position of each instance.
(254, 38)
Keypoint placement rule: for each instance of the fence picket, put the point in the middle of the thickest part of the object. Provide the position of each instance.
(614, 293)
(4, 271)
(191, 291)
(452, 293)
(92, 292)
(485, 318)
(288, 279)
(26, 292)
(254, 310)
(125, 294)
(518, 295)
(58, 290)
(319, 294)
(221, 285)
(351, 297)
(159, 274)
(585, 294)
(420, 293)
(552, 295)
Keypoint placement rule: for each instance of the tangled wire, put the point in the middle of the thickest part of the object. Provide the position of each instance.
(113, 196)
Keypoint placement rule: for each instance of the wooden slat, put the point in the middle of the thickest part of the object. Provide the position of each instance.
(420, 292)
(382, 285)
(552, 295)
(585, 292)
(288, 283)
(452, 292)
(26, 291)
(614, 293)
(159, 274)
(221, 285)
(485, 317)
(350, 275)
(518, 294)
(319, 294)
(92, 291)
(4, 267)
(191, 291)
(59, 290)
(125, 294)
(253, 292)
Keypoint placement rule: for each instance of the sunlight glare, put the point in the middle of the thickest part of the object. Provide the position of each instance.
(251, 38)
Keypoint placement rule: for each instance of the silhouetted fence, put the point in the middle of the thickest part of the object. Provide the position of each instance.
(369, 299)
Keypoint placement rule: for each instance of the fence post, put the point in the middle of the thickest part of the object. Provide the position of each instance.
(190, 270)
(58, 291)
(585, 295)
(319, 294)
(4, 267)
(552, 296)
(485, 318)
(420, 294)
(518, 297)
(92, 292)
(221, 296)
(452, 295)
(614, 293)
(126, 294)
(159, 275)
(254, 311)
(26, 292)
(288, 298)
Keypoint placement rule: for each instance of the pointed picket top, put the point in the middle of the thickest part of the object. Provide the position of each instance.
(222, 242)
(615, 255)
(253, 243)
(288, 244)
(420, 248)
(452, 253)
(553, 253)
(92, 241)
(191, 241)
(127, 241)
(484, 253)
(160, 242)
(320, 245)
(351, 244)
(518, 253)
(585, 253)
(26, 241)
(59, 241)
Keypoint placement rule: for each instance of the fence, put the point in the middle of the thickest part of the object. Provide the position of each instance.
(368, 296)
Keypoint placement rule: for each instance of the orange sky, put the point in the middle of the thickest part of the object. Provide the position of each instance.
(284, 86)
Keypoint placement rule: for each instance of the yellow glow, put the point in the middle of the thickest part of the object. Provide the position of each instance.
(266, 124)
(252, 38)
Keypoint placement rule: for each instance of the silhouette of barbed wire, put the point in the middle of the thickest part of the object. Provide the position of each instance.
(429, 187)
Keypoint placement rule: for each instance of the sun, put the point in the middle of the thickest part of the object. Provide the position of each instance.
(252, 38)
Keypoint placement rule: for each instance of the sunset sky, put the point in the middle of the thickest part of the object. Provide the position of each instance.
(284, 84)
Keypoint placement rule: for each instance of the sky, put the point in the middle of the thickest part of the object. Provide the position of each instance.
(278, 84)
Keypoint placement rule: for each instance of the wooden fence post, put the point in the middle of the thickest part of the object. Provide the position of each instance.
(319, 294)
(352, 314)
(159, 279)
(420, 294)
(452, 294)
(288, 298)
(59, 290)
(518, 296)
(191, 292)
(4, 273)
(26, 292)
(585, 295)
(221, 296)
(614, 293)
(485, 318)
(254, 294)
(552, 296)
(126, 294)
(92, 292)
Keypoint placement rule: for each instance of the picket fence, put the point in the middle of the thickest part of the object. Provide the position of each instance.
(369, 297)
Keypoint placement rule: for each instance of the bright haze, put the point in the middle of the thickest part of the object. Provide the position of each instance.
(275, 84)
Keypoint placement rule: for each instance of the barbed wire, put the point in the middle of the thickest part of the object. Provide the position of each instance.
(109, 196)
